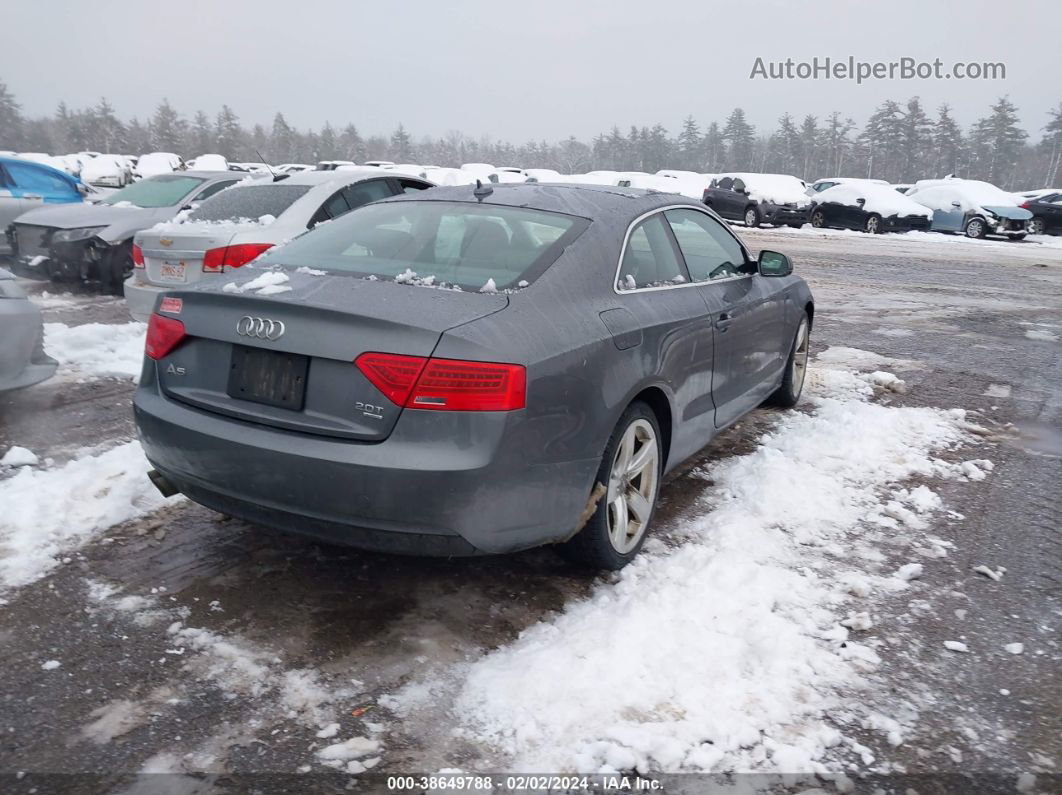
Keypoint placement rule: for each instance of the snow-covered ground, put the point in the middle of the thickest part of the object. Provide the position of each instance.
(736, 646)
(95, 350)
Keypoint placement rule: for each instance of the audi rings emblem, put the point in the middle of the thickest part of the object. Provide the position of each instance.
(260, 328)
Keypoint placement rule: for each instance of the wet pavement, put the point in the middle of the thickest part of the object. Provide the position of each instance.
(303, 614)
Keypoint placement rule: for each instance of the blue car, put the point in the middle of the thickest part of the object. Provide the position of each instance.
(972, 208)
(25, 185)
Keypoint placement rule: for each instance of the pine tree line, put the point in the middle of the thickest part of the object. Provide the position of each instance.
(900, 142)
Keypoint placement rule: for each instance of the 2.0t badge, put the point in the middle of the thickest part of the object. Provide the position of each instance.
(260, 327)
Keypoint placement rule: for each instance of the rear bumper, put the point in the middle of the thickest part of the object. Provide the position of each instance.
(140, 297)
(439, 485)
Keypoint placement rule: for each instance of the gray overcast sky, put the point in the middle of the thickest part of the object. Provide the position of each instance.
(516, 70)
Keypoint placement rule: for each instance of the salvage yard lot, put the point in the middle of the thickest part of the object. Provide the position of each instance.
(790, 615)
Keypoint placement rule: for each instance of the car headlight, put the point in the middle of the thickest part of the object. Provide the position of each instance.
(8, 289)
(74, 235)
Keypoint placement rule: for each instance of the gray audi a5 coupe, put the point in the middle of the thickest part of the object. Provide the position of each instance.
(467, 370)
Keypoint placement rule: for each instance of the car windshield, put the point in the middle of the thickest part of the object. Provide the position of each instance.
(446, 244)
(162, 191)
(248, 201)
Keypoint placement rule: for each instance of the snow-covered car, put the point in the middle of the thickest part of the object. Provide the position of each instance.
(759, 198)
(1046, 209)
(209, 162)
(541, 174)
(871, 206)
(45, 160)
(107, 171)
(94, 242)
(25, 185)
(234, 227)
(23, 361)
(973, 208)
(332, 165)
(819, 185)
(504, 177)
(155, 163)
(292, 168)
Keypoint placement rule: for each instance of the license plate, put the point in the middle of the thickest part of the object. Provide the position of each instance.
(272, 378)
(172, 271)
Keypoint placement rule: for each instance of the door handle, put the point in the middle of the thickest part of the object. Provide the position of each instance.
(723, 321)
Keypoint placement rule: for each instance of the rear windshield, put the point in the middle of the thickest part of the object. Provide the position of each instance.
(443, 244)
(162, 191)
(248, 201)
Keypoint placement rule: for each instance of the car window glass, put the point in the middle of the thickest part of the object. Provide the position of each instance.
(709, 250)
(210, 190)
(409, 186)
(250, 201)
(39, 180)
(649, 259)
(335, 206)
(1057, 199)
(4, 181)
(739, 185)
(725, 183)
(364, 192)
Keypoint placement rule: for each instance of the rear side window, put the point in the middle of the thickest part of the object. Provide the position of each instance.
(364, 192)
(442, 244)
(210, 190)
(249, 201)
(709, 250)
(39, 180)
(650, 259)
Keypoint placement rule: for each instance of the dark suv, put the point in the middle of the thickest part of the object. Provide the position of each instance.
(778, 199)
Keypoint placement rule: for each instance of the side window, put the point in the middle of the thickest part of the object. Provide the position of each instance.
(38, 180)
(711, 252)
(412, 186)
(726, 183)
(210, 190)
(364, 192)
(739, 185)
(650, 259)
(4, 181)
(333, 207)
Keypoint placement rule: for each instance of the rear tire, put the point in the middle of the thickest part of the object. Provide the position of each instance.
(1017, 236)
(1037, 226)
(630, 473)
(796, 367)
(752, 217)
(874, 224)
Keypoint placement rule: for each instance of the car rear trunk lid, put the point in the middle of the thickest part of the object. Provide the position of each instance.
(288, 361)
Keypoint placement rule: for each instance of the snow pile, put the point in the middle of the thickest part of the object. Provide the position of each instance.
(728, 652)
(880, 199)
(19, 457)
(50, 512)
(971, 194)
(775, 188)
(269, 283)
(95, 350)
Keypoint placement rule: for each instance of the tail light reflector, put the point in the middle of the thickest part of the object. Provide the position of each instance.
(416, 382)
(215, 260)
(163, 335)
(138, 256)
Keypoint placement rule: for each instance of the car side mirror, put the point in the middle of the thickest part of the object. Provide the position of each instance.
(956, 204)
(772, 263)
(861, 202)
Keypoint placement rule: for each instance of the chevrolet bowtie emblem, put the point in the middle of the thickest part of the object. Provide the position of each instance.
(165, 241)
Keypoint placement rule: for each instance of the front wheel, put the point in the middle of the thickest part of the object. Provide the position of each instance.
(818, 219)
(752, 217)
(975, 228)
(796, 369)
(630, 477)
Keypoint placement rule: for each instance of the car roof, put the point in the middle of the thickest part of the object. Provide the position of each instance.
(573, 199)
(345, 176)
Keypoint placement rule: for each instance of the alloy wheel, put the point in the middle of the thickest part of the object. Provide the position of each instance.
(818, 220)
(1036, 226)
(750, 217)
(974, 229)
(872, 224)
(632, 485)
(800, 358)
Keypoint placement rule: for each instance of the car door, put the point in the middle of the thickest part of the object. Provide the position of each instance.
(1051, 212)
(748, 313)
(662, 320)
(11, 207)
(36, 185)
(950, 218)
(721, 198)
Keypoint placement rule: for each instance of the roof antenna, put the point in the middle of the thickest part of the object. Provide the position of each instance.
(272, 173)
(482, 191)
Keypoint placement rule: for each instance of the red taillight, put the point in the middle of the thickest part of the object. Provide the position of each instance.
(163, 335)
(1025, 205)
(446, 384)
(138, 256)
(391, 373)
(215, 260)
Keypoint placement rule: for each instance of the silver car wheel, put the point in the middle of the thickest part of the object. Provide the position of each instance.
(1036, 226)
(973, 229)
(872, 224)
(632, 485)
(800, 358)
(750, 217)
